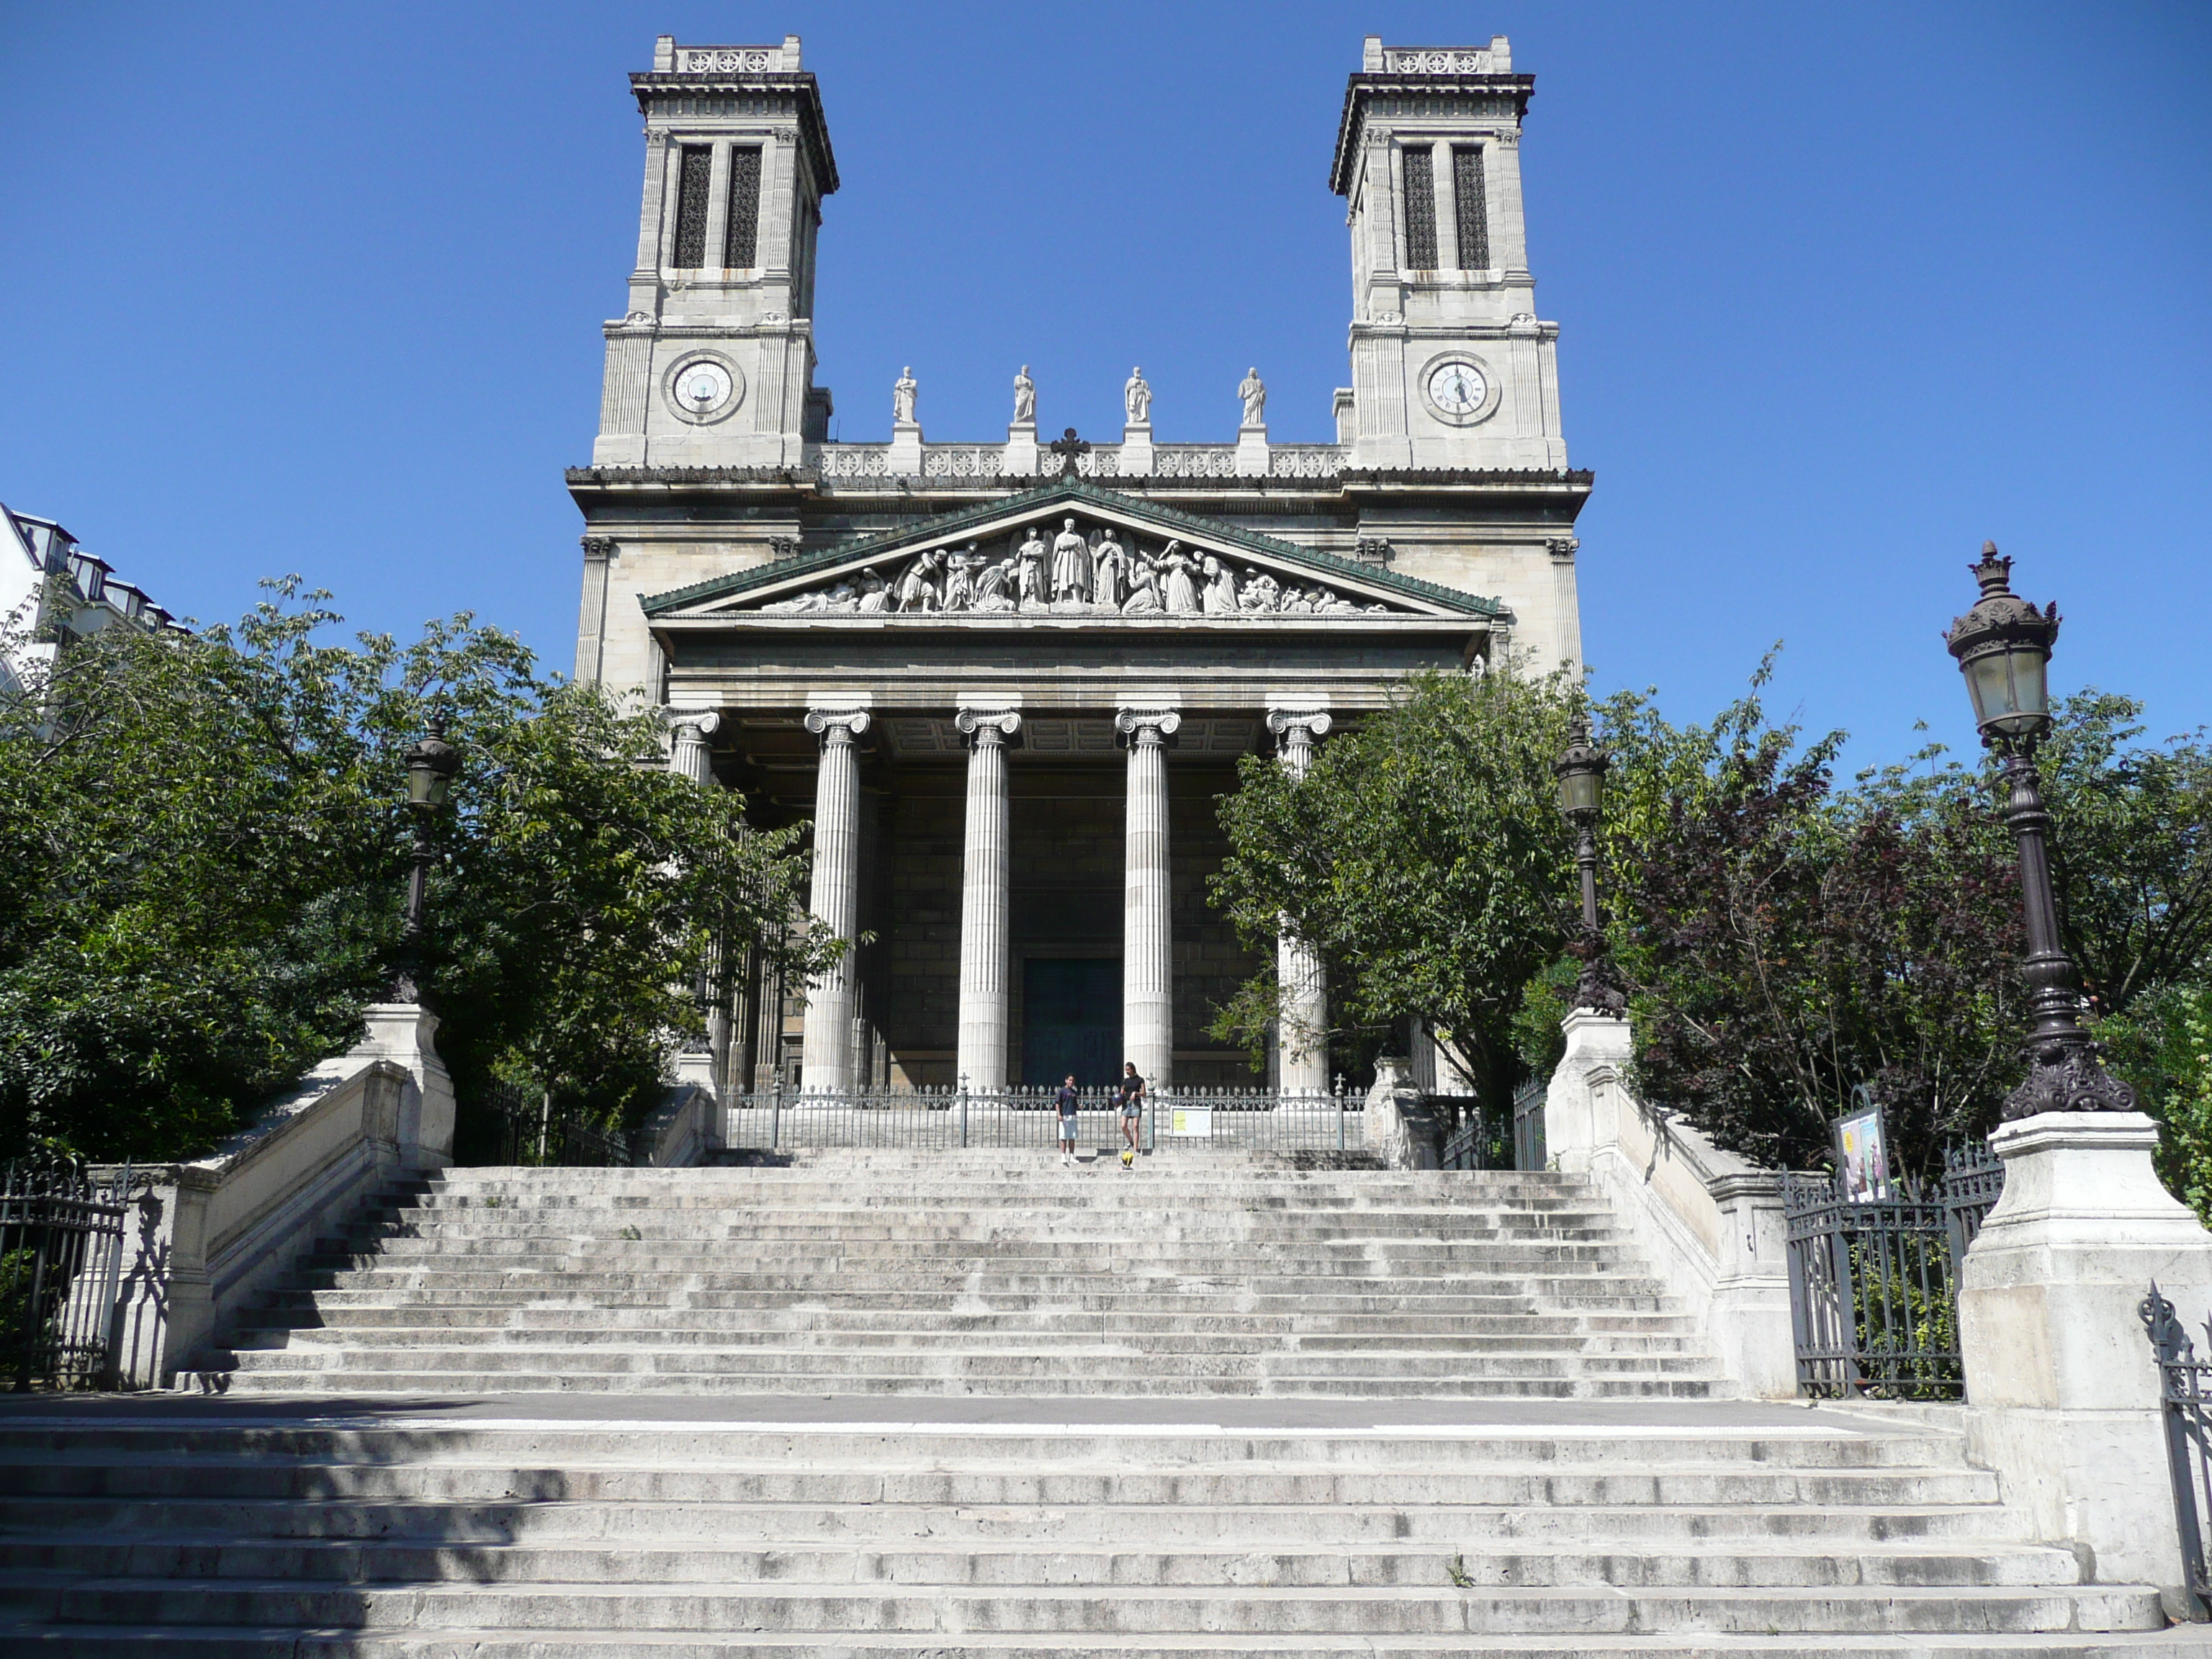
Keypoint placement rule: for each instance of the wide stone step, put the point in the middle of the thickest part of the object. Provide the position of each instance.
(1565, 1290)
(114, 1553)
(134, 1641)
(833, 1294)
(1471, 1529)
(1298, 1613)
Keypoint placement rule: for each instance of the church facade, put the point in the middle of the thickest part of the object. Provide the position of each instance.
(1006, 680)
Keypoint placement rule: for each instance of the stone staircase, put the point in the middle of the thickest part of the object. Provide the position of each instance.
(868, 1405)
(983, 1273)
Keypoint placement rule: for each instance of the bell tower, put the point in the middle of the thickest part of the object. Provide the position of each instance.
(1450, 367)
(713, 364)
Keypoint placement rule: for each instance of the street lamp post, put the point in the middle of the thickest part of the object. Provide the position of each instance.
(1580, 772)
(431, 763)
(2003, 648)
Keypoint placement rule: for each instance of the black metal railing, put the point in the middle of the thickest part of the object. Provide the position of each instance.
(1479, 1138)
(530, 1130)
(2186, 1408)
(1529, 1151)
(1256, 1120)
(1874, 1296)
(60, 1271)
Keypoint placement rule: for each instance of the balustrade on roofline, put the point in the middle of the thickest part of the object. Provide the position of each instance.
(868, 464)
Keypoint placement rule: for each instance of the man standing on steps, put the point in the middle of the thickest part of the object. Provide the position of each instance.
(1133, 1110)
(1068, 1101)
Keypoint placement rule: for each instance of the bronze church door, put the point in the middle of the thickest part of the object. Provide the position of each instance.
(1072, 1020)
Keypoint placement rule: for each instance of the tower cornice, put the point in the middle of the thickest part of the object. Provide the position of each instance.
(1365, 87)
(655, 90)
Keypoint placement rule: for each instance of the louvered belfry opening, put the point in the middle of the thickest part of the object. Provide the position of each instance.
(1471, 208)
(691, 188)
(1420, 209)
(741, 240)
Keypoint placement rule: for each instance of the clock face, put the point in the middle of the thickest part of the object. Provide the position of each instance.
(1457, 388)
(702, 386)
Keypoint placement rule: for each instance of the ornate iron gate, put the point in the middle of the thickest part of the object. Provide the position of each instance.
(61, 1266)
(1873, 1286)
(1528, 1149)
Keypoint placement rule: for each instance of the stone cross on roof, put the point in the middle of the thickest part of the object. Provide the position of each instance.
(1067, 447)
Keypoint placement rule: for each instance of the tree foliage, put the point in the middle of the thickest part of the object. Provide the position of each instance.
(203, 848)
(1422, 857)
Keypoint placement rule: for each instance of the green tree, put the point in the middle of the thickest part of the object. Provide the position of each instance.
(1423, 859)
(202, 851)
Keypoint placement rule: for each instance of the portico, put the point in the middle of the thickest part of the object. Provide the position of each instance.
(1013, 808)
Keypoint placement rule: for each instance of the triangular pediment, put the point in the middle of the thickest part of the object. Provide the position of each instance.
(1073, 550)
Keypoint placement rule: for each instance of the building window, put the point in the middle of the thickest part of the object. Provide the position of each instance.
(1471, 208)
(1420, 211)
(741, 240)
(691, 183)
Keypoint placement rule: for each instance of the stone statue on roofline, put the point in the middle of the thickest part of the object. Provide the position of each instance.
(1137, 397)
(1253, 391)
(903, 390)
(1024, 396)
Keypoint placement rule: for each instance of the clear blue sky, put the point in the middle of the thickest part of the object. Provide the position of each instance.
(1843, 291)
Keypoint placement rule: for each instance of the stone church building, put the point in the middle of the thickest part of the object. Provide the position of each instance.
(1007, 679)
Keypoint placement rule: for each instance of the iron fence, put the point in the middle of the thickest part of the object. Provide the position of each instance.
(61, 1271)
(1874, 1285)
(529, 1129)
(1480, 1138)
(1171, 1120)
(2185, 1409)
(1529, 1151)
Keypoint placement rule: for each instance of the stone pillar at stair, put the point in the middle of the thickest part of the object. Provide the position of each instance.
(1301, 1033)
(1571, 1135)
(826, 1059)
(1147, 953)
(2062, 1389)
(984, 962)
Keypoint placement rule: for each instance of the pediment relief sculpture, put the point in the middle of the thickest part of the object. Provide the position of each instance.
(1074, 571)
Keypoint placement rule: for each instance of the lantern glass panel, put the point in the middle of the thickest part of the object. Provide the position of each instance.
(426, 784)
(1582, 789)
(2010, 691)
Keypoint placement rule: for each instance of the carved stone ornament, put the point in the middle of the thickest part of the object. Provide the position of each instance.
(1075, 568)
(1563, 548)
(703, 722)
(1314, 722)
(599, 547)
(1600, 988)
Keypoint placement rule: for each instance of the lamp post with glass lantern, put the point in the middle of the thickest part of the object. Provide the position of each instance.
(2003, 648)
(431, 763)
(1580, 772)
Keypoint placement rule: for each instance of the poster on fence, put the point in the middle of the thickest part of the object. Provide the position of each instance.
(1193, 1120)
(1863, 1155)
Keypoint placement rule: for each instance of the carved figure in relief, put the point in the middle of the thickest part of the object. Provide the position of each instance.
(1071, 563)
(1110, 572)
(1025, 396)
(918, 587)
(1137, 397)
(1253, 391)
(1029, 568)
(1143, 598)
(903, 395)
(1178, 593)
(991, 586)
(1262, 592)
(960, 578)
(875, 592)
(1220, 596)
(1297, 602)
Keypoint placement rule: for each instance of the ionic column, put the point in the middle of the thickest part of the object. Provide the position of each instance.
(687, 731)
(1301, 1033)
(827, 1057)
(981, 1062)
(1147, 960)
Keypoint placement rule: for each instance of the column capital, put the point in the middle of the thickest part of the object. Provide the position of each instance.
(988, 725)
(1294, 723)
(838, 726)
(1136, 724)
(705, 722)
